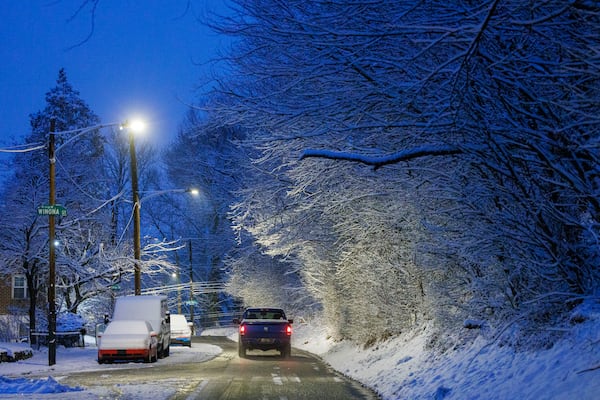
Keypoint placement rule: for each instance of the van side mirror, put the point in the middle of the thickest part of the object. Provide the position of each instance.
(291, 321)
(236, 321)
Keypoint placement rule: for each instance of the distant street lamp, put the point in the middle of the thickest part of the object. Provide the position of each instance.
(193, 191)
(178, 283)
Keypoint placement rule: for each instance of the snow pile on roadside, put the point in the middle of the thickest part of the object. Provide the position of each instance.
(403, 368)
(43, 379)
(25, 385)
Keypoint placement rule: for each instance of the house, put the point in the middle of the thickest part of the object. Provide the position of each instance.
(14, 303)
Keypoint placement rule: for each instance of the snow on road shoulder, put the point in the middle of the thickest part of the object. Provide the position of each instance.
(404, 368)
(33, 375)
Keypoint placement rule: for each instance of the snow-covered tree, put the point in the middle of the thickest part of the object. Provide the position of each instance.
(79, 184)
(93, 254)
(154, 248)
(481, 121)
(208, 160)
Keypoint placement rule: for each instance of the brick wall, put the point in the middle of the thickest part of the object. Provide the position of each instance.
(7, 304)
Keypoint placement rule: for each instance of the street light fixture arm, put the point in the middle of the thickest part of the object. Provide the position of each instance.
(192, 191)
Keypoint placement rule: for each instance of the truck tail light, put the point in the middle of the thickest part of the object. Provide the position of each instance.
(288, 330)
(242, 330)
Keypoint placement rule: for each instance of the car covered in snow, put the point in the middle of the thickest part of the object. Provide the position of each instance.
(128, 340)
(264, 329)
(181, 330)
(153, 309)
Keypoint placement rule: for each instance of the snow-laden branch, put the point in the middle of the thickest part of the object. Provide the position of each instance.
(25, 148)
(378, 161)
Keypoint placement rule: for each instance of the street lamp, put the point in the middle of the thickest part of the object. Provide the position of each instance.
(133, 127)
(137, 126)
(52, 209)
(193, 191)
(178, 283)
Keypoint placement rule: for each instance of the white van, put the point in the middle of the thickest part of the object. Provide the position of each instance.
(153, 309)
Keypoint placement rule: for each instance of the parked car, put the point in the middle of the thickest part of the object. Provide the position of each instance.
(181, 330)
(264, 329)
(128, 340)
(149, 308)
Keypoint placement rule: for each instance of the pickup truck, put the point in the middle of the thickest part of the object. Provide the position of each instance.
(264, 329)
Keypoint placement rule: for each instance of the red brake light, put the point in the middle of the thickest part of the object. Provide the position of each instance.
(242, 330)
(288, 330)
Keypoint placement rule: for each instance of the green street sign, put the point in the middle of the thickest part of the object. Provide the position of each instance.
(54, 209)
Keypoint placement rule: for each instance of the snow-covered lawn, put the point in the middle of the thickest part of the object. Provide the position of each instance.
(35, 376)
(400, 368)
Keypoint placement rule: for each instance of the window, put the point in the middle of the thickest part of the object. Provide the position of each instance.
(19, 287)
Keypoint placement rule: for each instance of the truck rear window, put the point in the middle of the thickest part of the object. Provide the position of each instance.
(264, 314)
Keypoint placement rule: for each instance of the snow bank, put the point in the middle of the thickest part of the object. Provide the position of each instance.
(404, 368)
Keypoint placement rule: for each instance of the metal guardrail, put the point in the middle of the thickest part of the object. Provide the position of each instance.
(197, 287)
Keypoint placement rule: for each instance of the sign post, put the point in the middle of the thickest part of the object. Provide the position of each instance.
(52, 255)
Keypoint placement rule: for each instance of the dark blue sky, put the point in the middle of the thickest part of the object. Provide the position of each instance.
(144, 58)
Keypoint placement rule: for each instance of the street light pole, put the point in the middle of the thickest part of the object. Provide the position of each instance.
(52, 254)
(137, 278)
(178, 280)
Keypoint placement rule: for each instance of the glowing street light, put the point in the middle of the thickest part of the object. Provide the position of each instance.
(136, 125)
(193, 191)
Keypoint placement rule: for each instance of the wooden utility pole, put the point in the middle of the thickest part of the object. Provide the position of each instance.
(137, 273)
(52, 254)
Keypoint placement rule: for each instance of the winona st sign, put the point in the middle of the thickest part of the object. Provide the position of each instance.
(54, 209)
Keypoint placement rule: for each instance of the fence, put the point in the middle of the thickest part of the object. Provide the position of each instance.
(67, 339)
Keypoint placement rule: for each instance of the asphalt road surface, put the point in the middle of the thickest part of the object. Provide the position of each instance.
(262, 375)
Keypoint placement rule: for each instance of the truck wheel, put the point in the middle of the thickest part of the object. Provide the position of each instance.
(242, 350)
